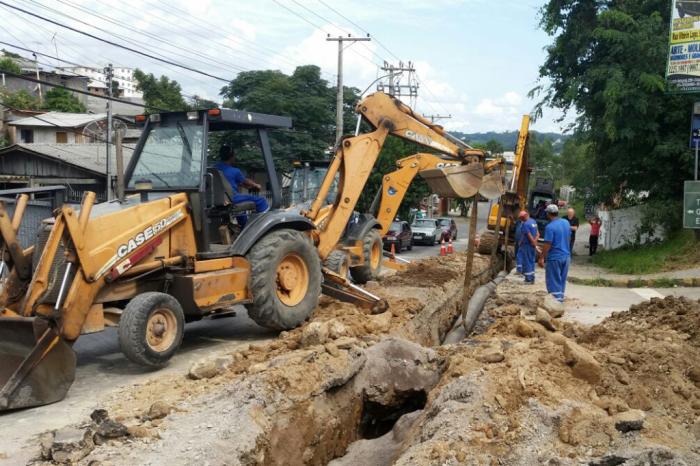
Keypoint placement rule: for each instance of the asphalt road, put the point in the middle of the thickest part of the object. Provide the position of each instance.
(102, 368)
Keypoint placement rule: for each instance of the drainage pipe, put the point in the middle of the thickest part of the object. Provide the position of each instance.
(476, 306)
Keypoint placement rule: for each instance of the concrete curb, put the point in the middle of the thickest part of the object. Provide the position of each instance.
(637, 282)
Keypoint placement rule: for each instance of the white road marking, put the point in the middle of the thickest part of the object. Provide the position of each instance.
(647, 293)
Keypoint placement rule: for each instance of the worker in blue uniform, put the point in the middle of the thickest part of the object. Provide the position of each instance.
(236, 178)
(527, 246)
(556, 254)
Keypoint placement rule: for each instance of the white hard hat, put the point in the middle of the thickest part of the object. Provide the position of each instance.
(552, 209)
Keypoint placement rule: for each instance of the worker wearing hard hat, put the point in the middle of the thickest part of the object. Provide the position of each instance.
(556, 253)
(527, 246)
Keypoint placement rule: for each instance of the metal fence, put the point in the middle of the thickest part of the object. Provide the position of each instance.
(31, 221)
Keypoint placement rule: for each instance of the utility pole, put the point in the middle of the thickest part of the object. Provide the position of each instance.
(395, 88)
(339, 97)
(438, 117)
(109, 72)
(36, 68)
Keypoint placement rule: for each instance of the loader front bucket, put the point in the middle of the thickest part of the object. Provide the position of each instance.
(462, 181)
(37, 366)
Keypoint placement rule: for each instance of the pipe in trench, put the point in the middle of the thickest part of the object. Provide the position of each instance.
(474, 310)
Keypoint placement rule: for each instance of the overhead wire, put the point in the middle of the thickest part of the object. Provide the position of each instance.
(116, 44)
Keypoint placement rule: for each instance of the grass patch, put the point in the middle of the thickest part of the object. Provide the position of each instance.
(679, 252)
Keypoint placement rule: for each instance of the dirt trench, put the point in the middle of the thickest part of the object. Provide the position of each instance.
(343, 377)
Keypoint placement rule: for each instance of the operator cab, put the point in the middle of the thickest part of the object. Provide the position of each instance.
(172, 156)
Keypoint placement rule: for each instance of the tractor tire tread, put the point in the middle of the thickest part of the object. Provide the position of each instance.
(266, 309)
(364, 273)
(132, 328)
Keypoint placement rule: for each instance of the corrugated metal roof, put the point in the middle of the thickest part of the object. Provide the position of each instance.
(88, 156)
(59, 119)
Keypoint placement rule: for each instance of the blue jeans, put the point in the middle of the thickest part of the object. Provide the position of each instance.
(526, 259)
(260, 206)
(556, 271)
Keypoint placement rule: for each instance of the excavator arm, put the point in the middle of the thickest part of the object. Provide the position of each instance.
(458, 172)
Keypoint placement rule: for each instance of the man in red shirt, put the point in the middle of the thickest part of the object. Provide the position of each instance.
(593, 239)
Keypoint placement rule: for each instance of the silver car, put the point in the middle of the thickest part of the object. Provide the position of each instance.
(426, 231)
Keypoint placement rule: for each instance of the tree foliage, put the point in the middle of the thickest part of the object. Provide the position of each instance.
(607, 63)
(304, 96)
(163, 92)
(21, 100)
(61, 100)
(8, 64)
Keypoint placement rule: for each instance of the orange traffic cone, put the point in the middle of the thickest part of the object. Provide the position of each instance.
(450, 248)
(393, 252)
(443, 250)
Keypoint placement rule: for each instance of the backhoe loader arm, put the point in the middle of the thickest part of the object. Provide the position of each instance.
(356, 156)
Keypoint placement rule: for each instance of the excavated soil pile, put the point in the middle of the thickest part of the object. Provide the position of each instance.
(626, 391)
(301, 399)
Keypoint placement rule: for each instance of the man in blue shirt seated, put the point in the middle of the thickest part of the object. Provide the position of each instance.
(236, 178)
(556, 252)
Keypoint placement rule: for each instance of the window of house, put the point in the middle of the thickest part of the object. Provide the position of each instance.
(26, 136)
(61, 137)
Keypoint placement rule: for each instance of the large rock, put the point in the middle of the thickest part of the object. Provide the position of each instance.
(583, 365)
(545, 319)
(314, 333)
(70, 445)
(554, 307)
(208, 368)
(629, 420)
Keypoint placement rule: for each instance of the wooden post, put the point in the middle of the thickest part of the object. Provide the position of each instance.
(497, 232)
(470, 258)
(119, 155)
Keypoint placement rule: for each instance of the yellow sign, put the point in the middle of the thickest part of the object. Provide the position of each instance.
(683, 71)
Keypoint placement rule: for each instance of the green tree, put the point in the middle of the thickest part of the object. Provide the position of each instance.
(607, 63)
(58, 99)
(160, 92)
(9, 65)
(304, 96)
(21, 100)
(494, 147)
(546, 163)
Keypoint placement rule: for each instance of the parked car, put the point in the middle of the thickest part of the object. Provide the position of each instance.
(426, 231)
(448, 227)
(399, 235)
(687, 8)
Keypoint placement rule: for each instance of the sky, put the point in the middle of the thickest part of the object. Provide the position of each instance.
(475, 60)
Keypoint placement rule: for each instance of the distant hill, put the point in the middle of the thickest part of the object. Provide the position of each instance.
(508, 139)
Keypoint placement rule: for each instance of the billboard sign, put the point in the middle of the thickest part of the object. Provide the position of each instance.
(683, 72)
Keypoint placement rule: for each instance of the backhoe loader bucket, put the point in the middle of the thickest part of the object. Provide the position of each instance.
(492, 185)
(37, 366)
(462, 181)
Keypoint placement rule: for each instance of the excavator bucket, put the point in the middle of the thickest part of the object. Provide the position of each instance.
(462, 181)
(37, 366)
(492, 185)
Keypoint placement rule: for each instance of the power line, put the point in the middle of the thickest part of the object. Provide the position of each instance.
(115, 44)
(360, 28)
(218, 64)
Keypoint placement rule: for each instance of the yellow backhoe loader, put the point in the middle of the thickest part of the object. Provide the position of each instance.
(169, 254)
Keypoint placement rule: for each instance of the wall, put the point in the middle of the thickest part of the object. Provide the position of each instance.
(47, 135)
(620, 227)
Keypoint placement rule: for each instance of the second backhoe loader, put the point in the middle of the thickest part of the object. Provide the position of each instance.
(169, 254)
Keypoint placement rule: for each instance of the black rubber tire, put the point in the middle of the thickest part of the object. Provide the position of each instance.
(133, 326)
(365, 272)
(266, 309)
(410, 245)
(433, 241)
(486, 241)
(336, 261)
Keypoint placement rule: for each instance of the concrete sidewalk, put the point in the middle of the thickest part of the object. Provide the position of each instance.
(583, 272)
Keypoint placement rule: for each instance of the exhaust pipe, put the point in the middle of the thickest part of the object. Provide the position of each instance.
(37, 367)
